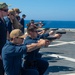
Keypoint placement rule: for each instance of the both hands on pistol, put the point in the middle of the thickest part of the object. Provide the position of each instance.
(44, 42)
(47, 40)
(56, 36)
(60, 32)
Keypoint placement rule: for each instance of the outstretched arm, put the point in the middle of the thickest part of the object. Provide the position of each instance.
(34, 46)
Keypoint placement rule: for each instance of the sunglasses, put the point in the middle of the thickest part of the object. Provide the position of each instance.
(5, 10)
(11, 14)
(20, 38)
(34, 31)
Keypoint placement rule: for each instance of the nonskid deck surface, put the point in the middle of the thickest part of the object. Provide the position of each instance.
(61, 55)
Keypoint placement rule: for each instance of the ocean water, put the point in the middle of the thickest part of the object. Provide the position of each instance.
(55, 24)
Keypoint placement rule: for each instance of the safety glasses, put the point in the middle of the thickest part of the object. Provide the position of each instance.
(20, 38)
(5, 10)
(34, 31)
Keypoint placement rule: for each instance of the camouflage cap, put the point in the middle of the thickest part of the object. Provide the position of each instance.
(3, 5)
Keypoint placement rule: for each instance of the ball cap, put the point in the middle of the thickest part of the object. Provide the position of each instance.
(17, 33)
(11, 12)
(3, 5)
(17, 10)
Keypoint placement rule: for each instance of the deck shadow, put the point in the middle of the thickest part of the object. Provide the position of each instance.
(54, 69)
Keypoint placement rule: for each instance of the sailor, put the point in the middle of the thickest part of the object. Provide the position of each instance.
(3, 31)
(14, 49)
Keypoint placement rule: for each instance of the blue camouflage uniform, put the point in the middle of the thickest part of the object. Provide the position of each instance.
(11, 56)
(32, 60)
(3, 35)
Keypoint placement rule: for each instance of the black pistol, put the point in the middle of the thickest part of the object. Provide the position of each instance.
(60, 32)
(50, 38)
(54, 29)
(39, 30)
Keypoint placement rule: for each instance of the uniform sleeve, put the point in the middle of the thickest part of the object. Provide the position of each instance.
(20, 50)
(15, 51)
(44, 35)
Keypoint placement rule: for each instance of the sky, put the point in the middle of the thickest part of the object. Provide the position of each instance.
(45, 9)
